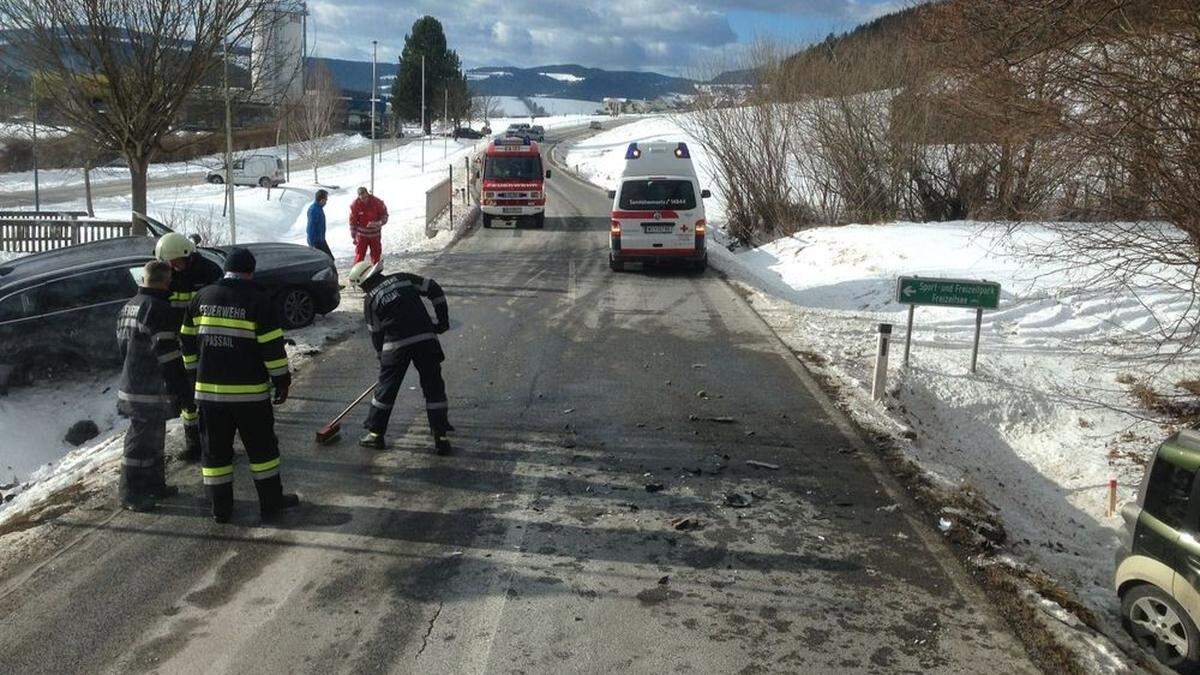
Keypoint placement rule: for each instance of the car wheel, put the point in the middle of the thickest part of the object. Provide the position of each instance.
(487, 221)
(264, 182)
(296, 308)
(1160, 626)
(700, 266)
(215, 179)
(615, 265)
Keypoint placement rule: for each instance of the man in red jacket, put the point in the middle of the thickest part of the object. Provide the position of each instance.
(368, 215)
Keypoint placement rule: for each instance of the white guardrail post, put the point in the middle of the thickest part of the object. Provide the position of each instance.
(879, 383)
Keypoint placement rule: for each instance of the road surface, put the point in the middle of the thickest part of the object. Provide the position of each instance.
(539, 545)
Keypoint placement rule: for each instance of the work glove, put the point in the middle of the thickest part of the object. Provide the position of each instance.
(281, 395)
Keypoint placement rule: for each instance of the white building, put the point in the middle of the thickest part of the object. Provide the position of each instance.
(277, 52)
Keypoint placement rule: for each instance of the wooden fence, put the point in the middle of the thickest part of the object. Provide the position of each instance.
(35, 233)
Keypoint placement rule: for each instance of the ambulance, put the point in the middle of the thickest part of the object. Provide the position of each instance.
(512, 182)
(658, 209)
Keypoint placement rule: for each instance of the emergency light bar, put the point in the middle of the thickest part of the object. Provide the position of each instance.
(512, 140)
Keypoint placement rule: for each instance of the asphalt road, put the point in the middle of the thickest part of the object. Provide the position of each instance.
(115, 188)
(536, 547)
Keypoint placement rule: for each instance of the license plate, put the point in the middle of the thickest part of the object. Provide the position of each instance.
(658, 229)
(511, 209)
(511, 195)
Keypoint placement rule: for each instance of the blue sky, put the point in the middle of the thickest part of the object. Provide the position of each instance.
(678, 37)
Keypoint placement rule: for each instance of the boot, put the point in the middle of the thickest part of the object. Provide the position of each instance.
(165, 491)
(139, 503)
(372, 440)
(442, 445)
(191, 445)
(285, 503)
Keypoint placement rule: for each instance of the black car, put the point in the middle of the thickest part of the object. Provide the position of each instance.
(467, 133)
(63, 304)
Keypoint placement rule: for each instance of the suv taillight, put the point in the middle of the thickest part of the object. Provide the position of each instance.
(616, 228)
(701, 225)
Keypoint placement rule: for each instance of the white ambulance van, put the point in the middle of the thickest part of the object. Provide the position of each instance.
(658, 209)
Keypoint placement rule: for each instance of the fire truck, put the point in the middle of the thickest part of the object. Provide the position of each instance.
(513, 182)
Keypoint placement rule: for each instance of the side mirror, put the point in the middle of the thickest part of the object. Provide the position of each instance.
(612, 194)
(705, 194)
(547, 173)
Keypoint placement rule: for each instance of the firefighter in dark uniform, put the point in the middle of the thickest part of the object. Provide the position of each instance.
(191, 273)
(153, 387)
(231, 332)
(402, 333)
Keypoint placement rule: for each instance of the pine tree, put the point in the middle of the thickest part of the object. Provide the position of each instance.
(442, 70)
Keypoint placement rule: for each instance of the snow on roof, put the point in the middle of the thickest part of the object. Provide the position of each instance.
(564, 77)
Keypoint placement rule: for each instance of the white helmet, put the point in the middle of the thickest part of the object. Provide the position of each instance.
(364, 270)
(172, 246)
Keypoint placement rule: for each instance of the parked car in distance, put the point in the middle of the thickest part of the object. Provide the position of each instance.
(468, 133)
(260, 170)
(537, 133)
(1158, 562)
(519, 130)
(595, 124)
(486, 130)
(63, 304)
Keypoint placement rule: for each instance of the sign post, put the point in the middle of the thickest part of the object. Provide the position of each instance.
(966, 293)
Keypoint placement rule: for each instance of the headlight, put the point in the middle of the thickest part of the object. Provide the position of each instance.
(327, 274)
(489, 195)
(535, 195)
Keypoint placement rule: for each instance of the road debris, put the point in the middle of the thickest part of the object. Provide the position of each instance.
(762, 465)
(654, 487)
(738, 500)
(944, 524)
(568, 411)
(719, 420)
(702, 394)
(684, 523)
(664, 580)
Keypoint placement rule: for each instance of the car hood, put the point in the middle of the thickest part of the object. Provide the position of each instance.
(277, 257)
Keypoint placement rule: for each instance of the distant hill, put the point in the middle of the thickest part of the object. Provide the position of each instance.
(356, 75)
(573, 81)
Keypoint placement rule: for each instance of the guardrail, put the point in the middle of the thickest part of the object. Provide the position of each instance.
(437, 199)
(39, 234)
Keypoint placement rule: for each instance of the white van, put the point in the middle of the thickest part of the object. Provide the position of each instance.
(658, 209)
(260, 170)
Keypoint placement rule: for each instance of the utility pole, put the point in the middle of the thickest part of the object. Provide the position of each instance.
(446, 121)
(37, 193)
(424, 134)
(374, 82)
(229, 150)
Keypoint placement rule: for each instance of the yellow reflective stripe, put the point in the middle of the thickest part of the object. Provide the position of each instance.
(273, 335)
(265, 466)
(191, 358)
(233, 388)
(189, 415)
(182, 295)
(216, 471)
(225, 323)
(279, 363)
(188, 330)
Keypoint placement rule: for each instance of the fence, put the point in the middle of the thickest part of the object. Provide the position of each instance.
(39, 232)
(437, 199)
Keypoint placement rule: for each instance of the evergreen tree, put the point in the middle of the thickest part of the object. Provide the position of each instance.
(442, 70)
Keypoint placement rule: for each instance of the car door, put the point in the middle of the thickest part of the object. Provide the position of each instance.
(1186, 586)
(76, 314)
(239, 172)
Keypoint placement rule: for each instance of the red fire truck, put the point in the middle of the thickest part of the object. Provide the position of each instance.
(513, 182)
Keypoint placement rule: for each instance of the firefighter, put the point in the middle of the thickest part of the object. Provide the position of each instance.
(191, 272)
(402, 333)
(153, 387)
(231, 332)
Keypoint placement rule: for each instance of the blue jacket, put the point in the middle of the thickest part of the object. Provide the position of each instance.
(316, 224)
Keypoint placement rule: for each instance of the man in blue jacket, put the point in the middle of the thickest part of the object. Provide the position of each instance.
(316, 223)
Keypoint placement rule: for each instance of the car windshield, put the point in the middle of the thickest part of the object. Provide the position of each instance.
(658, 194)
(513, 168)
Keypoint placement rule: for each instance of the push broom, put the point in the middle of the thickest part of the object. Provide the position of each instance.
(330, 432)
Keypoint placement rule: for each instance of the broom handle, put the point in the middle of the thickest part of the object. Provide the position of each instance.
(358, 400)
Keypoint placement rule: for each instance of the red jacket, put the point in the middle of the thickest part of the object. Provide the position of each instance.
(363, 212)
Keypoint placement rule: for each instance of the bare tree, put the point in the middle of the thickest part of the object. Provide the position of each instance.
(120, 71)
(486, 107)
(315, 117)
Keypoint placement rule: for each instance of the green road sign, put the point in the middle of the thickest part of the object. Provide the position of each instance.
(948, 292)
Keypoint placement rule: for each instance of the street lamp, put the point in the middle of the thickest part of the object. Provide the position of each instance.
(374, 82)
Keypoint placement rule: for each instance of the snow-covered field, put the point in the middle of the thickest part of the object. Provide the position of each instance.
(57, 178)
(1036, 433)
(511, 106)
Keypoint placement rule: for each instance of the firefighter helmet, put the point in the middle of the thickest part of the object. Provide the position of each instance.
(364, 270)
(172, 246)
